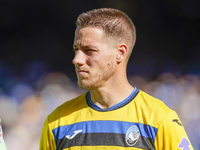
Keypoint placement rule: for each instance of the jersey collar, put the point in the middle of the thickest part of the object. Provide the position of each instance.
(118, 105)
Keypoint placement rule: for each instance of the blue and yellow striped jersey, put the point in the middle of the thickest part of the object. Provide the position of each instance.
(138, 122)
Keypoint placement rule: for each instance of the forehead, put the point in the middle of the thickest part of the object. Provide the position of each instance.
(87, 35)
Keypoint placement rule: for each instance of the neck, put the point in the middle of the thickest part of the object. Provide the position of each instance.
(113, 93)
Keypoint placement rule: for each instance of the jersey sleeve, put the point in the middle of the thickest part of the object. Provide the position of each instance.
(47, 141)
(171, 134)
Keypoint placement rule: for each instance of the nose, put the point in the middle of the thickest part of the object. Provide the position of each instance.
(79, 58)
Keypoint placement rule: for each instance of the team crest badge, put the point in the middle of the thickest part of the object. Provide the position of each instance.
(132, 135)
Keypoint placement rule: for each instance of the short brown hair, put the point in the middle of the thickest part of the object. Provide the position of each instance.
(113, 22)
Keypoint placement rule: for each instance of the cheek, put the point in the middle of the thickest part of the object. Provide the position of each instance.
(111, 61)
(110, 66)
(88, 62)
(102, 62)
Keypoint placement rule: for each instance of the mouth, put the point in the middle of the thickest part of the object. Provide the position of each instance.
(81, 71)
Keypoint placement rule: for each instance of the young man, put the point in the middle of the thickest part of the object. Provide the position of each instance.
(2, 143)
(112, 114)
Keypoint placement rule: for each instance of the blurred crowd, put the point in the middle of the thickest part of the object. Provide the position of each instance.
(25, 105)
(168, 33)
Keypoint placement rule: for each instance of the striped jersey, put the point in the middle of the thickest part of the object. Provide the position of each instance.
(138, 122)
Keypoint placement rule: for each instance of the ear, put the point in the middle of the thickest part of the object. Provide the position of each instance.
(121, 53)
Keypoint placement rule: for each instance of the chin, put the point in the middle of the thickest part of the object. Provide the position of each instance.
(86, 86)
(83, 86)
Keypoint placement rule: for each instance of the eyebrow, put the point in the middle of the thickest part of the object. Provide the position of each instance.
(84, 46)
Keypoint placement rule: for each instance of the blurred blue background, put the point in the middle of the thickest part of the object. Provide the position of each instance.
(37, 74)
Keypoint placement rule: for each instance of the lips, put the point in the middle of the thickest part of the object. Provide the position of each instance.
(81, 71)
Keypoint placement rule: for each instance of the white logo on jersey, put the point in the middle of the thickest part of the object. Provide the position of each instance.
(75, 133)
(132, 135)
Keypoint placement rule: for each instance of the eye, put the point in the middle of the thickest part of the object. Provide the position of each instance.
(90, 51)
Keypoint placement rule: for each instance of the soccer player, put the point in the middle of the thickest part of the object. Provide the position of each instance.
(2, 143)
(112, 114)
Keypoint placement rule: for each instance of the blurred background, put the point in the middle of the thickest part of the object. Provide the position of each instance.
(37, 74)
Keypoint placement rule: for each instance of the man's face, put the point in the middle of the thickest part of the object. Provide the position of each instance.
(95, 58)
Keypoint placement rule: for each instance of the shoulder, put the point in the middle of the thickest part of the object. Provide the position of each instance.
(153, 103)
(68, 107)
(152, 108)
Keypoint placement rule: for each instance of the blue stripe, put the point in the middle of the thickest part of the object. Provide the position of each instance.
(117, 127)
(119, 105)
